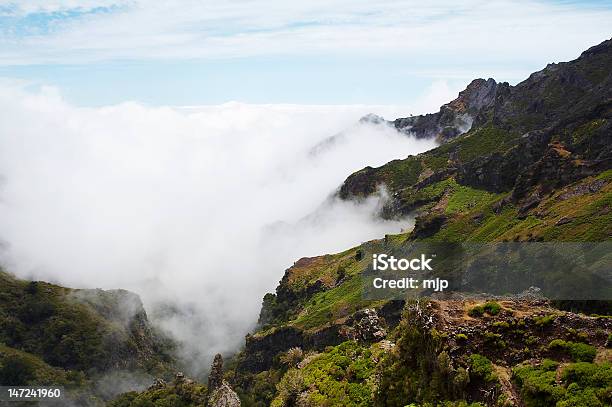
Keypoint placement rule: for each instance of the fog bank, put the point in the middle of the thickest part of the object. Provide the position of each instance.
(200, 209)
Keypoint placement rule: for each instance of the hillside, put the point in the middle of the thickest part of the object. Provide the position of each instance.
(535, 165)
(55, 335)
(516, 164)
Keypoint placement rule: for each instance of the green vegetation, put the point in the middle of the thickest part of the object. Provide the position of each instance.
(328, 305)
(491, 308)
(52, 323)
(340, 376)
(460, 197)
(582, 384)
(482, 368)
(182, 394)
(579, 352)
(21, 368)
(484, 141)
(418, 369)
(544, 321)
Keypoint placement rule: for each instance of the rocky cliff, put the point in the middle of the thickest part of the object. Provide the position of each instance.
(530, 162)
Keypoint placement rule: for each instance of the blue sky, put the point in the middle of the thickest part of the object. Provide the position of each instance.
(100, 52)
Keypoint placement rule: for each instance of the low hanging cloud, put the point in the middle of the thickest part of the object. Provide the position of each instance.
(197, 209)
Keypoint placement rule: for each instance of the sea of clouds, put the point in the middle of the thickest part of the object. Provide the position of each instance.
(199, 210)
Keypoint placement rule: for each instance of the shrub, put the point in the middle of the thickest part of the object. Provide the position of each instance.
(588, 374)
(482, 367)
(586, 384)
(538, 386)
(476, 311)
(544, 321)
(15, 370)
(501, 324)
(579, 352)
(292, 357)
(490, 307)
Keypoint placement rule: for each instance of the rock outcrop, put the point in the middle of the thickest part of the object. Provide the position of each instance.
(455, 117)
(548, 131)
(220, 394)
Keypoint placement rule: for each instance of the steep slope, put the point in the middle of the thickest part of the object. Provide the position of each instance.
(530, 162)
(57, 335)
(534, 166)
(561, 113)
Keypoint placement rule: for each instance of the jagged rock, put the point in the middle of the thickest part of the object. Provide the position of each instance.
(532, 293)
(366, 325)
(158, 384)
(220, 394)
(216, 373)
(454, 118)
(223, 396)
(556, 105)
(428, 225)
(563, 221)
(360, 184)
(582, 189)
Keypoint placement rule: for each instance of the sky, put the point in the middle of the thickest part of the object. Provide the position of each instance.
(178, 148)
(102, 52)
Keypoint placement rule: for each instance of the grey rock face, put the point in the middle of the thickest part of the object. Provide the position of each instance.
(220, 394)
(366, 325)
(455, 117)
(223, 396)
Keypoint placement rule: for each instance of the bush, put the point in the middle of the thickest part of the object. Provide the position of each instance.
(15, 371)
(579, 352)
(501, 325)
(292, 357)
(586, 384)
(476, 311)
(339, 376)
(538, 386)
(544, 321)
(588, 374)
(491, 307)
(482, 367)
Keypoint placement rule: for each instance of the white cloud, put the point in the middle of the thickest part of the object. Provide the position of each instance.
(212, 29)
(202, 207)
